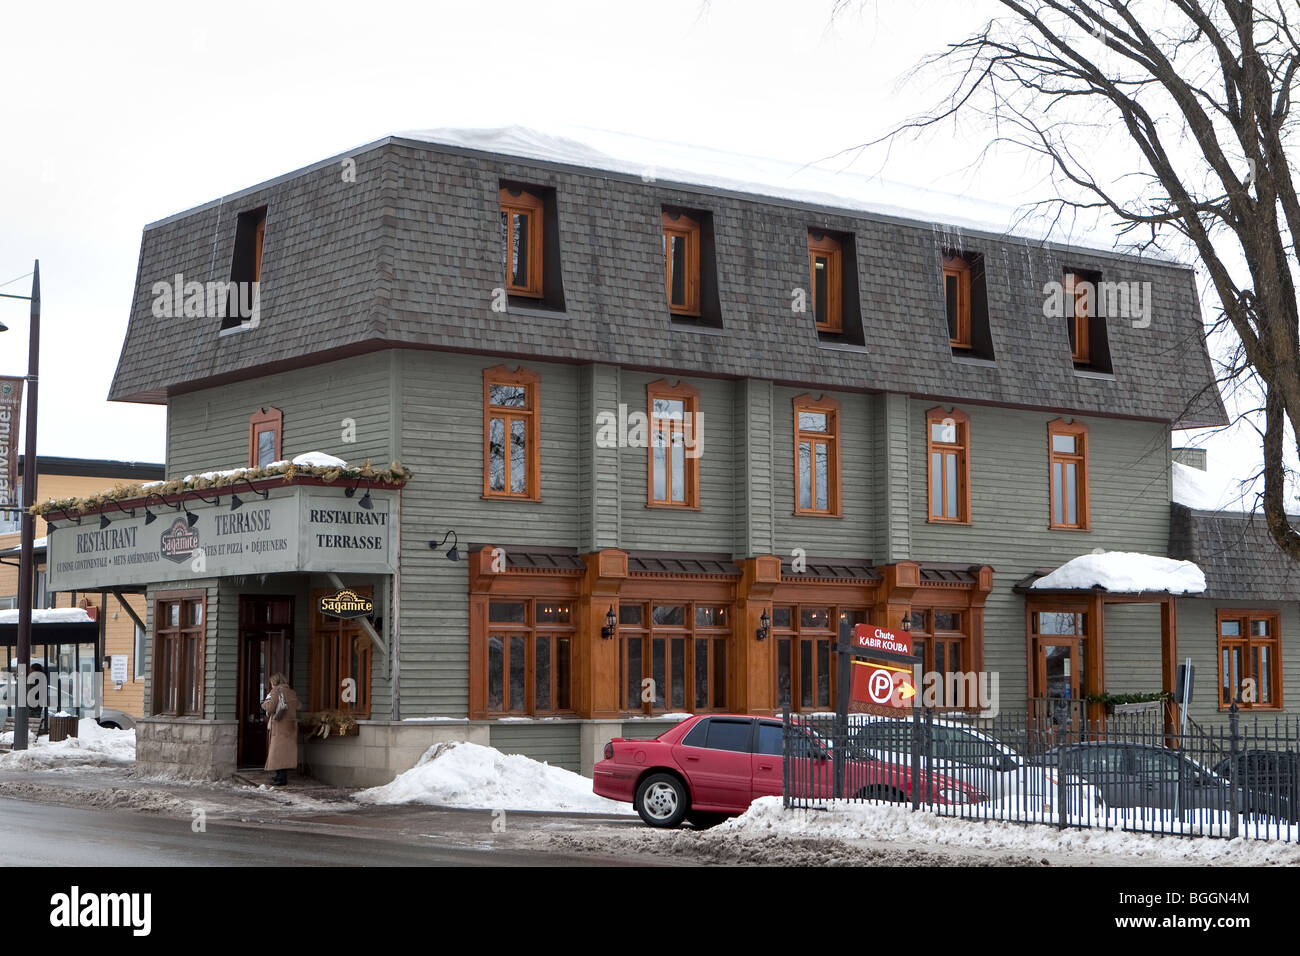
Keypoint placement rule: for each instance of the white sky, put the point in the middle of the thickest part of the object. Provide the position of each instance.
(120, 114)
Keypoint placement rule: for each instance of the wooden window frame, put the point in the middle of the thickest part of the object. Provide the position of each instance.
(530, 629)
(957, 267)
(1248, 643)
(676, 223)
(340, 632)
(797, 633)
(961, 448)
(831, 439)
(177, 680)
(1079, 459)
(257, 423)
(824, 244)
(689, 396)
(928, 635)
(1081, 349)
(530, 415)
(690, 632)
(518, 200)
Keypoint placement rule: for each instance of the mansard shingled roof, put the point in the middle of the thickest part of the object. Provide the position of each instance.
(408, 253)
(1235, 551)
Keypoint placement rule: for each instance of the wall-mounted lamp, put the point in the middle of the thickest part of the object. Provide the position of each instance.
(452, 553)
(236, 503)
(764, 627)
(611, 624)
(365, 501)
(907, 622)
(104, 522)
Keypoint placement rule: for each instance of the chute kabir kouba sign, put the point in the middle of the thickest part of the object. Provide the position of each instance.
(885, 682)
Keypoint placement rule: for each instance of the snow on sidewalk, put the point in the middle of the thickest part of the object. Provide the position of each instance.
(470, 775)
(95, 746)
(886, 824)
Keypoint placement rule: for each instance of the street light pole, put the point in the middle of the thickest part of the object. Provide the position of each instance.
(26, 567)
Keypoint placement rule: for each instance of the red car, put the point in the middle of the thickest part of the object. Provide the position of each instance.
(713, 766)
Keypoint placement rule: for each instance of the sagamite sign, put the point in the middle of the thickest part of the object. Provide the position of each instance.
(303, 528)
(346, 604)
(11, 400)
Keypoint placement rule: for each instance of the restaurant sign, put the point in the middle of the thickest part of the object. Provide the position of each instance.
(346, 604)
(297, 528)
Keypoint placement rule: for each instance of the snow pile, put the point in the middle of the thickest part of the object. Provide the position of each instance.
(318, 459)
(884, 824)
(95, 746)
(1126, 572)
(49, 615)
(460, 774)
(1203, 491)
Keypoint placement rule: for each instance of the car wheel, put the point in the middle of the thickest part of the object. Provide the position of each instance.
(662, 800)
(702, 821)
(882, 794)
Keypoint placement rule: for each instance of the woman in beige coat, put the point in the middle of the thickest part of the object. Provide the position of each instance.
(281, 707)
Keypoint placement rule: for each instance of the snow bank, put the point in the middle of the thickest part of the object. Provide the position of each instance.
(470, 775)
(1125, 572)
(893, 824)
(95, 746)
(48, 615)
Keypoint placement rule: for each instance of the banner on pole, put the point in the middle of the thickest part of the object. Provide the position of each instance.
(11, 400)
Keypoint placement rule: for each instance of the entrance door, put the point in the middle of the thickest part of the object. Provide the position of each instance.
(1058, 679)
(265, 648)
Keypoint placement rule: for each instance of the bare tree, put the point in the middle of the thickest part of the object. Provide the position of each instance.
(1202, 89)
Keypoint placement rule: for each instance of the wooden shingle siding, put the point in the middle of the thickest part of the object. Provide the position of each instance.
(208, 430)
(1128, 474)
(556, 743)
(443, 445)
(410, 254)
(707, 529)
(754, 490)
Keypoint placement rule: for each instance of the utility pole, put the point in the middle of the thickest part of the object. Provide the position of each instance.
(26, 568)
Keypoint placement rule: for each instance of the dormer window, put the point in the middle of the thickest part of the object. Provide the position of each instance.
(682, 262)
(956, 297)
(245, 270)
(1085, 320)
(521, 241)
(825, 264)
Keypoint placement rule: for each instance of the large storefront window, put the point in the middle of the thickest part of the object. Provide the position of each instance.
(1250, 665)
(806, 636)
(673, 657)
(530, 657)
(179, 643)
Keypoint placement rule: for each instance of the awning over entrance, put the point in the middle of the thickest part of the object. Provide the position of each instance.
(1118, 572)
(279, 526)
(64, 625)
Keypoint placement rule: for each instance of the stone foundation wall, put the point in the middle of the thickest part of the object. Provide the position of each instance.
(185, 747)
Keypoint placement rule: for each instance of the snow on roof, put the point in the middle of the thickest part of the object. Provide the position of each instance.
(319, 459)
(1212, 490)
(825, 182)
(49, 615)
(1124, 572)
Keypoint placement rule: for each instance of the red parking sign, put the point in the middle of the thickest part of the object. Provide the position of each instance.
(882, 685)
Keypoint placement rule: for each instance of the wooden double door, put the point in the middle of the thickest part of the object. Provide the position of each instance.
(265, 648)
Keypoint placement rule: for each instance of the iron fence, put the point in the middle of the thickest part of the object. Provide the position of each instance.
(1126, 772)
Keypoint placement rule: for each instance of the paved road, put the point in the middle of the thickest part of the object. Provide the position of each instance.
(45, 835)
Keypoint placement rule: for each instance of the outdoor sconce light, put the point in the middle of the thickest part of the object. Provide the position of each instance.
(190, 517)
(50, 525)
(907, 622)
(764, 627)
(104, 522)
(452, 553)
(611, 624)
(236, 503)
(365, 501)
(149, 516)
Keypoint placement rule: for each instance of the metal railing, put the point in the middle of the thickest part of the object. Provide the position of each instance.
(1123, 772)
